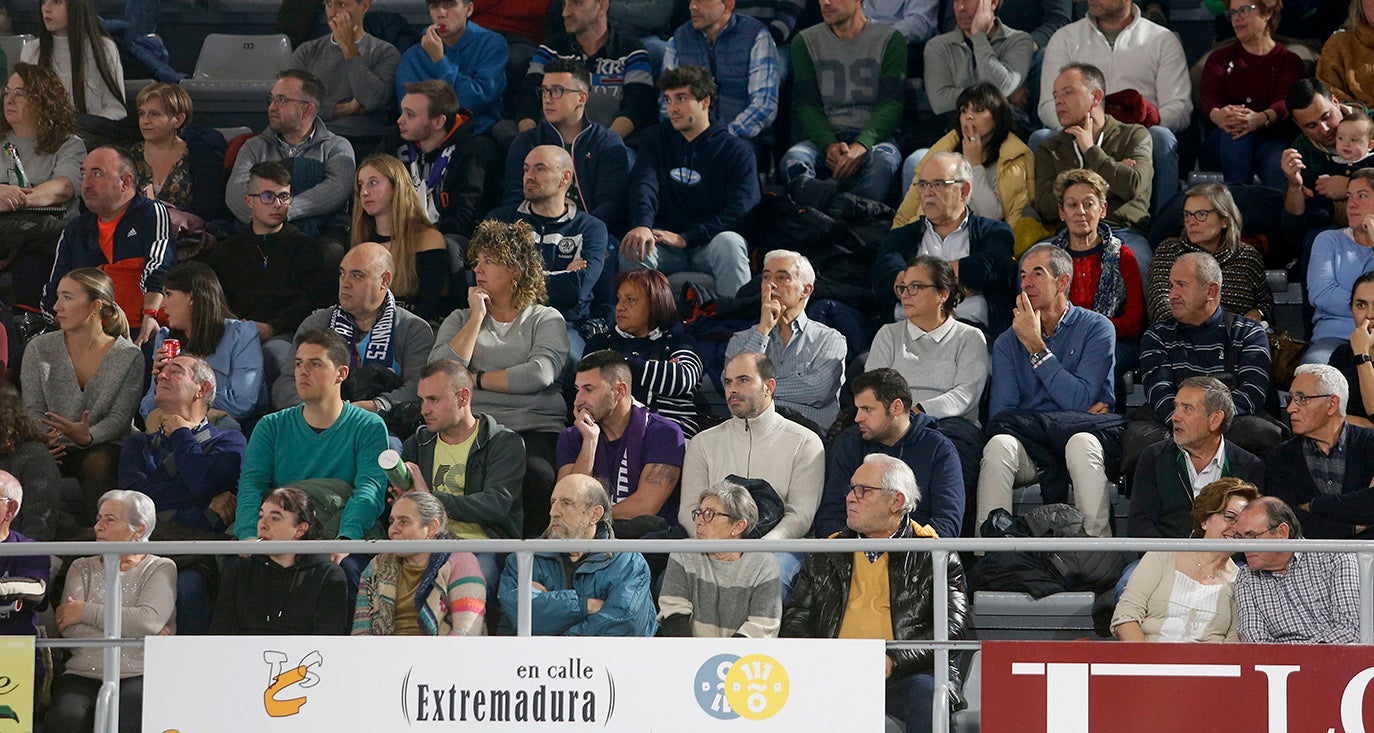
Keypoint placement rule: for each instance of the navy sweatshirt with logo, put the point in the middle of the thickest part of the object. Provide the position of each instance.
(574, 235)
(697, 189)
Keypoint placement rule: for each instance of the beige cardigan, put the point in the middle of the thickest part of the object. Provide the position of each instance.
(1146, 599)
(1015, 176)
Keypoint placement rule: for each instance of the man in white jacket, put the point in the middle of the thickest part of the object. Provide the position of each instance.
(1133, 53)
(758, 443)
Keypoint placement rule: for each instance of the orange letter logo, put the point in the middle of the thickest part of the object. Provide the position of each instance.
(281, 678)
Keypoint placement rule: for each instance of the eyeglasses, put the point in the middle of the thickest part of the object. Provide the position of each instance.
(1303, 399)
(913, 288)
(553, 92)
(706, 516)
(860, 490)
(1255, 535)
(16, 93)
(1241, 12)
(1200, 216)
(1228, 517)
(928, 185)
(268, 197)
(279, 100)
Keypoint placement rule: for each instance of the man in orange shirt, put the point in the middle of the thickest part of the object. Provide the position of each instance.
(121, 232)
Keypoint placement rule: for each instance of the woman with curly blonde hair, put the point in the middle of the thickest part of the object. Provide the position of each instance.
(387, 210)
(515, 348)
(37, 125)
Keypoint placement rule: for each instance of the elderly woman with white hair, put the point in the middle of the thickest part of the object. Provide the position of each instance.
(722, 594)
(148, 594)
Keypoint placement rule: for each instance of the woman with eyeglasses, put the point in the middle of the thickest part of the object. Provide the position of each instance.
(1339, 258)
(39, 126)
(1003, 167)
(199, 318)
(1105, 276)
(1355, 359)
(179, 166)
(387, 210)
(1347, 59)
(1212, 224)
(1242, 91)
(73, 43)
(722, 594)
(1188, 596)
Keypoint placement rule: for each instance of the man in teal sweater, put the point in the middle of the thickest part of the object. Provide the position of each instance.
(848, 74)
(323, 437)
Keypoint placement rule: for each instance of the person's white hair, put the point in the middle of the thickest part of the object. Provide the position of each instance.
(1329, 380)
(805, 272)
(897, 478)
(11, 489)
(1061, 263)
(139, 510)
(1207, 268)
(202, 373)
(963, 170)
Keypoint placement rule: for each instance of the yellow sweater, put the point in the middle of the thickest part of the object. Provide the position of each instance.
(1015, 177)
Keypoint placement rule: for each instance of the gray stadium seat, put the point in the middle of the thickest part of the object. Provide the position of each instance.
(234, 77)
(969, 719)
(1017, 616)
(12, 46)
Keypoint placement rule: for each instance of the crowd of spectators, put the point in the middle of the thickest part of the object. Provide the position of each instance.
(565, 299)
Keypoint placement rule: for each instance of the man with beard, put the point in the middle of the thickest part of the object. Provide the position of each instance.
(620, 443)
(578, 593)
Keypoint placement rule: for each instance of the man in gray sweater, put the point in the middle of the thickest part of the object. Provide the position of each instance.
(388, 344)
(322, 163)
(358, 71)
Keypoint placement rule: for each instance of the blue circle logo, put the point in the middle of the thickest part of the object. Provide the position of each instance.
(710, 686)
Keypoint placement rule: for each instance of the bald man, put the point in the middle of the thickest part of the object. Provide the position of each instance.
(387, 344)
(572, 242)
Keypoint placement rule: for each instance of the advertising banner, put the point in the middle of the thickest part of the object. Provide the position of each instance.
(16, 684)
(310, 684)
(1077, 687)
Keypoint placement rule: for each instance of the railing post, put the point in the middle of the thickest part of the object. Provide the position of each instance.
(939, 717)
(107, 702)
(525, 566)
(1366, 597)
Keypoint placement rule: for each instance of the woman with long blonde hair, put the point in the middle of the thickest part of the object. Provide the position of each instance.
(387, 210)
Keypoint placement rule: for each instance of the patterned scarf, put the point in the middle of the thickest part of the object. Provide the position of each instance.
(1110, 298)
(387, 578)
(379, 346)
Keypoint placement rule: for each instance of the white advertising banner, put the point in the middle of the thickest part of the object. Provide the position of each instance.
(376, 684)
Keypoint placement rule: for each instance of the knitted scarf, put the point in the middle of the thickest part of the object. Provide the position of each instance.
(1110, 298)
(379, 346)
(386, 577)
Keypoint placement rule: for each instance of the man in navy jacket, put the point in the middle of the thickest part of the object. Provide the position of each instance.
(1325, 471)
(885, 423)
(692, 185)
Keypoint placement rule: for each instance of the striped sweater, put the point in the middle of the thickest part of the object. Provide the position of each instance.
(1170, 352)
(723, 599)
(451, 599)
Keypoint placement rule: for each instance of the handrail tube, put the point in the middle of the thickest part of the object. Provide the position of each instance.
(1366, 598)
(525, 606)
(940, 710)
(107, 715)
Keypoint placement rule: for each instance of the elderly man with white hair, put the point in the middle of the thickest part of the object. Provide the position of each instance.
(978, 248)
(896, 589)
(809, 356)
(1325, 472)
(23, 578)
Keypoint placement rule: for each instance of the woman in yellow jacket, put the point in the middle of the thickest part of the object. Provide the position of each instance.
(1002, 179)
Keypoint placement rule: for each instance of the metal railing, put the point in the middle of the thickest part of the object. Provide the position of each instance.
(523, 552)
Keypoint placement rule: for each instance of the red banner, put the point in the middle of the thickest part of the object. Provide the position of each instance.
(1115, 687)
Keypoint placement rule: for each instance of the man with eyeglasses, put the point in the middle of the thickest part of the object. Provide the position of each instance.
(740, 54)
(978, 248)
(358, 71)
(885, 423)
(26, 577)
(621, 95)
(452, 167)
(635, 453)
(1123, 154)
(1202, 339)
(467, 57)
(880, 594)
(601, 166)
(322, 163)
(1293, 597)
(1171, 472)
(271, 273)
(808, 354)
(1326, 470)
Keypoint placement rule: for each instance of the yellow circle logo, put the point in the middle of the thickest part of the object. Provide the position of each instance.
(756, 687)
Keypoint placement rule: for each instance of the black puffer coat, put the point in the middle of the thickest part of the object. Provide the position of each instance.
(821, 592)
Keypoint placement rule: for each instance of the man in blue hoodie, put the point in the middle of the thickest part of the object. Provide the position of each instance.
(692, 185)
(466, 56)
(885, 423)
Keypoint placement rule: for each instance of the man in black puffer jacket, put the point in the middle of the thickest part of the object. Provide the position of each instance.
(882, 493)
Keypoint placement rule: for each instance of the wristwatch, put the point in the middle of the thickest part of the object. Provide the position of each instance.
(383, 404)
(1363, 359)
(1039, 358)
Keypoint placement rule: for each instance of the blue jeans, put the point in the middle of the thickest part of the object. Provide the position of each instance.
(725, 258)
(909, 171)
(1139, 246)
(1241, 160)
(872, 180)
(910, 699)
(1166, 166)
(1320, 351)
(789, 564)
